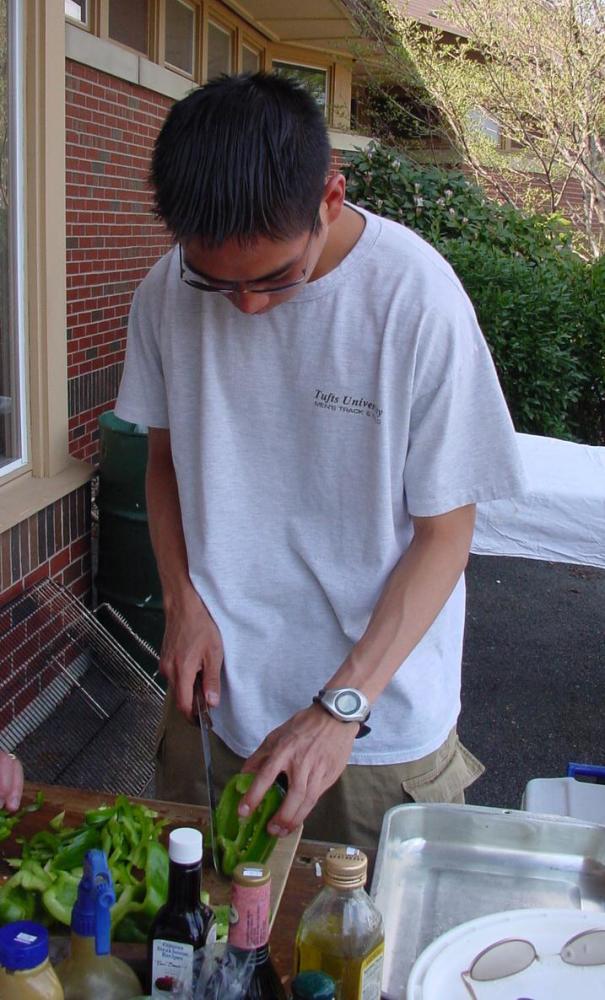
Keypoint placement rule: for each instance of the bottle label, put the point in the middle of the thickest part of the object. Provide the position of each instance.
(172, 969)
(370, 984)
(249, 916)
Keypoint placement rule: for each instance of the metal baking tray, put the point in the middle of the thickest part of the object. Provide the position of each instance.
(440, 865)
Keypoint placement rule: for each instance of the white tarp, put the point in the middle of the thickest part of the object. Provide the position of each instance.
(562, 517)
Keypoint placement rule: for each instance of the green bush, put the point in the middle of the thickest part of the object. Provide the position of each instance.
(529, 315)
(541, 307)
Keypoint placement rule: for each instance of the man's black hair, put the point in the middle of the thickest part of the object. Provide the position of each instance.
(241, 157)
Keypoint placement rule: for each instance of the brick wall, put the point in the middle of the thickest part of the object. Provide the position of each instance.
(54, 543)
(112, 238)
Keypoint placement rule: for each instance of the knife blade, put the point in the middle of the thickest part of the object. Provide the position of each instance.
(205, 722)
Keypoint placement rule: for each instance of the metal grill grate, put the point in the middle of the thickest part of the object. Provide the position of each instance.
(85, 713)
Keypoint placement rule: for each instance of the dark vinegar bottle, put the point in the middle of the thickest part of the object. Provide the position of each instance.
(249, 929)
(183, 925)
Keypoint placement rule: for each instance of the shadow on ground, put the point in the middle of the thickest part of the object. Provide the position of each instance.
(533, 690)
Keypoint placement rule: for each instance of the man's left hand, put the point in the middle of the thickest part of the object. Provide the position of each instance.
(312, 749)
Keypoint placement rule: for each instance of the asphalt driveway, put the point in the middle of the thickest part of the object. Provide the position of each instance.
(533, 692)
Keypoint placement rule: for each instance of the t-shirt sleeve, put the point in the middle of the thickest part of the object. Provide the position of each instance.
(142, 394)
(462, 447)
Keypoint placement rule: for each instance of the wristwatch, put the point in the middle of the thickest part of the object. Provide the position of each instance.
(346, 705)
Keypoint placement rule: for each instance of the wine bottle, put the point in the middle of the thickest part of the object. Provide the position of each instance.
(249, 929)
(184, 924)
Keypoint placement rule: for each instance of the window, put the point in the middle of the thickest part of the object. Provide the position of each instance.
(129, 23)
(220, 47)
(315, 80)
(180, 35)
(250, 60)
(482, 122)
(13, 439)
(77, 10)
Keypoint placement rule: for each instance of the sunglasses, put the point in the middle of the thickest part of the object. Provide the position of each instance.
(513, 955)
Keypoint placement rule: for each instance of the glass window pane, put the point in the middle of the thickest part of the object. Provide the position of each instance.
(180, 35)
(76, 9)
(11, 347)
(250, 60)
(315, 80)
(129, 23)
(219, 50)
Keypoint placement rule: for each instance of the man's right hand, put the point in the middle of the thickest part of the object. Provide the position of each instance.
(192, 642)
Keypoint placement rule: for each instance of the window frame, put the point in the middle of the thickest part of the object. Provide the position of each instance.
(196, 7)
(152, 30)
(247, 43)
(307, 65)
(16, 238)
(85, 25)
(228, 29)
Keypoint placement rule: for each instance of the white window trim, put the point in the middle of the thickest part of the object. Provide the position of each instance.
(226, 30)
(172, 67)
(16, 233)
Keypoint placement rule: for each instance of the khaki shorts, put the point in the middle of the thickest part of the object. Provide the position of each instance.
(351, 811)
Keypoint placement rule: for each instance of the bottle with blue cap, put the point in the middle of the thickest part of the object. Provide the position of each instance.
(91, 970)
(313, 985)
(25, 971)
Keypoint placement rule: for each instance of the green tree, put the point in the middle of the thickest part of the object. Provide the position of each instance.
(528, 75)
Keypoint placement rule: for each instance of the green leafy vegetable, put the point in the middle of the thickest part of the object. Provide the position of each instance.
(45, 884)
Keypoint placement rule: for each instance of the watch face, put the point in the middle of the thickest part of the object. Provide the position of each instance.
(348, 703)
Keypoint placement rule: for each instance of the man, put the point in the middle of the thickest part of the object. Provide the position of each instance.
(11, 781)
(323, 415)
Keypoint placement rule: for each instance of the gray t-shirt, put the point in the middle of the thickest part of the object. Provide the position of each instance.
(303, 439)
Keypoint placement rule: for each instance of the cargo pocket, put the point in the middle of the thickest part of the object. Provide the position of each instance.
(452, 769)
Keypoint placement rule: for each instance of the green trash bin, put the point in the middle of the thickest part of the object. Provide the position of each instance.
(127, 576)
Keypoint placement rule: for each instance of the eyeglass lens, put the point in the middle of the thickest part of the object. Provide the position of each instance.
(587, 948)
(505, 958)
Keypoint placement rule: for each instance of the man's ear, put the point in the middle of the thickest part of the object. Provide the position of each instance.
(333, 198)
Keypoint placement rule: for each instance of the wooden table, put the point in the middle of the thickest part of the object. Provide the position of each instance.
(294, 864)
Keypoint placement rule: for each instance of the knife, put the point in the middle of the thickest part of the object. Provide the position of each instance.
(205, 726)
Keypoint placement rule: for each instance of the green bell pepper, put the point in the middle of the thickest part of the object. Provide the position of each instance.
(9, 820)
(244, 839)
(16, 903)
(72, 855)
(60, 897)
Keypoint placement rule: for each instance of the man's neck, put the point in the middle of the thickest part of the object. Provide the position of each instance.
(343, 234)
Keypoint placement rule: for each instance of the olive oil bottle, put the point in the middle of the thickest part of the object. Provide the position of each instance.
(341, 932)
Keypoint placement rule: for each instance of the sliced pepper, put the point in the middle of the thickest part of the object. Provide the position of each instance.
(8, 821)
(72, 854)
(16, 903)
(244, 839)
(60, 897)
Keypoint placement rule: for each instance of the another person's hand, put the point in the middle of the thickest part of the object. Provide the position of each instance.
(11, 781)
(192, 642)
(312, 749)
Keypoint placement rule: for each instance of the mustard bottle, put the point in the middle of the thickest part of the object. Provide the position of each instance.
(91, 970)
(25, 972)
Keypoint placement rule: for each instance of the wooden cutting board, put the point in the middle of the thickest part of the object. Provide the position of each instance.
(76, 802)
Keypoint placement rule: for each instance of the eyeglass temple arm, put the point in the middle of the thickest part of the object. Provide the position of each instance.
(464, 977)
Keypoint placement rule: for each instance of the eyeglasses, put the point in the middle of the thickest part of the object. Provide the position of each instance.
(508, 957)
(234, 287)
